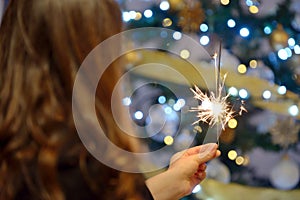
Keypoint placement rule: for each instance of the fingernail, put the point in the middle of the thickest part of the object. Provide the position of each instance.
(207, 149)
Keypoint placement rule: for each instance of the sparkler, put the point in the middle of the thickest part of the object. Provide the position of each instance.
(215, 109)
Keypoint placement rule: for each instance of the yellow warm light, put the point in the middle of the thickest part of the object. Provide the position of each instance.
(232, 123)
(246, 161)
(225, 2)
(185, 54)
(138, 16)
(242, 69)
(253, 9)
(239, 160)
(167, 22)
(232, 154)
(168, 140)
(253, 63)
(198, 129)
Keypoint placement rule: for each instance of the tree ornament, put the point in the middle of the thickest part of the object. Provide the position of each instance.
(279, 38)
(285, 132)
(285, 175)
(191, 16)
(176, 4)
(295, 68)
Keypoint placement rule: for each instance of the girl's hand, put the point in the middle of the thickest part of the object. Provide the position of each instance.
(186, 170)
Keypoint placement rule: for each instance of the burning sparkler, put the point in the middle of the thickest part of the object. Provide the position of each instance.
(214, 108)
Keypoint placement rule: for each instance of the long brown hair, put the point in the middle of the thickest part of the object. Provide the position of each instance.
(43, 42)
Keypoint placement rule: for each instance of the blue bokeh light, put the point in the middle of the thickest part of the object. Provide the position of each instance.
(231, 23)
(267, 30)
(244, 32)
(204, 27)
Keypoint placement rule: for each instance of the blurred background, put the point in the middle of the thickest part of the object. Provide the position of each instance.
(261, 56)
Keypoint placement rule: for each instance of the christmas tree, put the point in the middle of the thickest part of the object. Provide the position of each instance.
(261, 43)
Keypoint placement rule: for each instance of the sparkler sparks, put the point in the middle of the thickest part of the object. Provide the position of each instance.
(214, 108)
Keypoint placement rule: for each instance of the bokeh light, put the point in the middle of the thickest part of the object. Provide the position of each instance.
(204, 27)
(197, 129)
(126, 101)
(239, 160)
(281, 90)
(225, 2)
(246, 160)
(162, 99)
(297, 49)
(148, 13)
(232, 154)
(249, 2)
(267, 94)
(267, 30)
(126, 16)
(185, 54)
(282, 54)
(231, 23)
(243, 93)
(232, 123)
(168, 110)
(177, 35)
(244, 32)
(167, 22)
(233, 91)
(242, 69)
(168, 140)
(132, 14)
(293, 110)
(138, 115)
(253, 63)
(253, 9)
(138, 16)
(197, 189)
(164, 5)
(291, 42)
(204, 40)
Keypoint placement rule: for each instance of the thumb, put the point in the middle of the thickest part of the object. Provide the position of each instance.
(207, 152)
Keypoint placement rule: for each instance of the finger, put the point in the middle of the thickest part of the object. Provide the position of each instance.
(195, 151)
(218, 153)
(198, 149)
(202, 167)
(206, 153)
(176, 156)
(187, 152)
(208, 147)
(200, 175)
(192, 150)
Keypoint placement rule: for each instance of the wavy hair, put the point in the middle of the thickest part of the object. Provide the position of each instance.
(43, 43)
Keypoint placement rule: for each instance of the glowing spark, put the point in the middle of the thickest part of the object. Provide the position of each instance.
(214, 108)
(242, 108)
